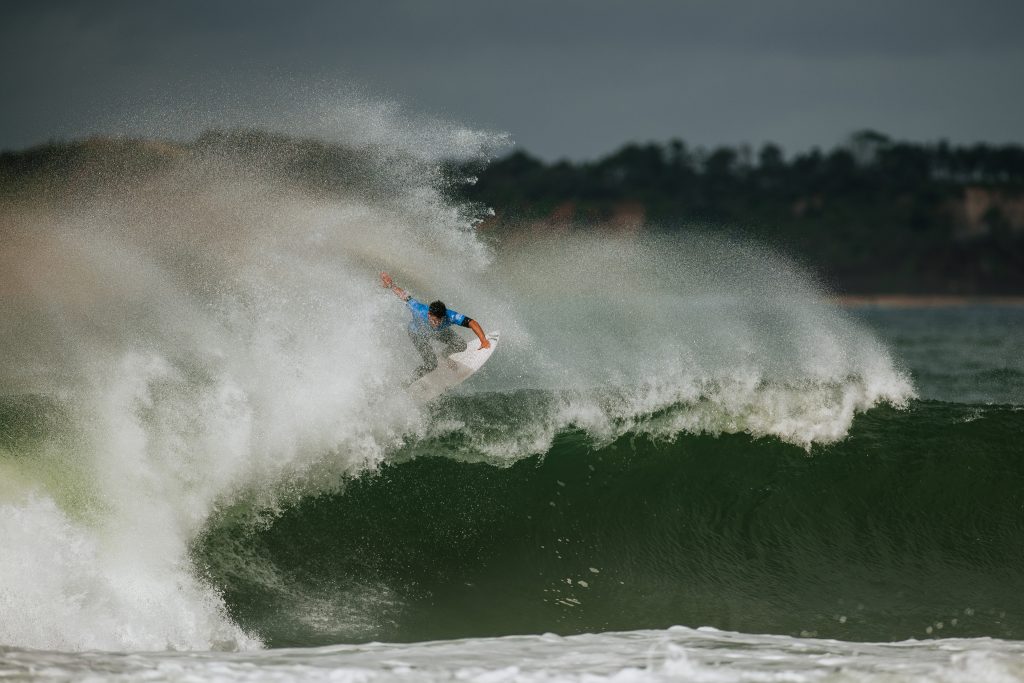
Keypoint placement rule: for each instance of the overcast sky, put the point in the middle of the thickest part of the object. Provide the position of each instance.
(563, 77)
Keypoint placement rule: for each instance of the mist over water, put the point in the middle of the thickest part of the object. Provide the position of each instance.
(209, 337)
(627, 328)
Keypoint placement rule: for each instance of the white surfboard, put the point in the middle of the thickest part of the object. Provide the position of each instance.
(453, 370)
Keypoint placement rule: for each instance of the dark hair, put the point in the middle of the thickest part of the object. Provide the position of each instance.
(438, 309)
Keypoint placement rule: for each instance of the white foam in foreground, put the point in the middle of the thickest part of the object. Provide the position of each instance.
(676, 654)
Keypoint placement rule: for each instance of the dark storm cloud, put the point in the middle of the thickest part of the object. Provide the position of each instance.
(571, 77)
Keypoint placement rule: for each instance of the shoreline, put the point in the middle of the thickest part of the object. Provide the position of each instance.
(923, 300)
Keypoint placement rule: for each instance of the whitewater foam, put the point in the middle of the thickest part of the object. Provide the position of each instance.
(704, 655)
(662, 335)
(207, 330)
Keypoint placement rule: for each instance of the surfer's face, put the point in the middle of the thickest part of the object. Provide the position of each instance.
(434, 321)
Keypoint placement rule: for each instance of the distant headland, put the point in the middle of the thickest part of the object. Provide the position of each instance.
(877, 220)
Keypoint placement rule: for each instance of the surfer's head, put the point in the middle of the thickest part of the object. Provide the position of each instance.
(436, 313)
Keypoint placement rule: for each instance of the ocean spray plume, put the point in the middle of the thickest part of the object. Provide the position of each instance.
(663, 335)
(212, 329)
(204, 326)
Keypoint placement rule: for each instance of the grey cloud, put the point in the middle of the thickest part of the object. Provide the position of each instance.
(565, 78)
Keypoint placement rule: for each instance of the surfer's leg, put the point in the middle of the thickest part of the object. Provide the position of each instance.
(422, 345)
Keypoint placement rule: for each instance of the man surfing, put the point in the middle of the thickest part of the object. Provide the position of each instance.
(434, 322)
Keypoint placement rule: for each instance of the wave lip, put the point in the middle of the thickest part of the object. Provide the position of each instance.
(641, 326)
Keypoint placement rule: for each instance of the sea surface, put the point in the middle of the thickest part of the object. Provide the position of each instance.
(683, 462)
(894, 553)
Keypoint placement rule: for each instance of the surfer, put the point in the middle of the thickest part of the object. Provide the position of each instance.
(434, 322)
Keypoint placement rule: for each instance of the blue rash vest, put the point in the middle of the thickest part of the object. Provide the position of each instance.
(420, 325)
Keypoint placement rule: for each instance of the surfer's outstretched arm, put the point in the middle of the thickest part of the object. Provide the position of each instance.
(388, 283)
(479, 332)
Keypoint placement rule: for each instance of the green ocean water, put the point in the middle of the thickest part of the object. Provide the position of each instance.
(960, 354)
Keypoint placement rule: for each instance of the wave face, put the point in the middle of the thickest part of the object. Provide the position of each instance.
(198, 344)
(910, 527)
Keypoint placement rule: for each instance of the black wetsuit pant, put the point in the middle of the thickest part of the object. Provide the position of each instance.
(452, 342)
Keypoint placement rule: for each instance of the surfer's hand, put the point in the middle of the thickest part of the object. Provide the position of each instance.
(485, 344)
(386, 281)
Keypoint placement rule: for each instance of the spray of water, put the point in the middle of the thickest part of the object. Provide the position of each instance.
(211, 332)
(686, 333)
